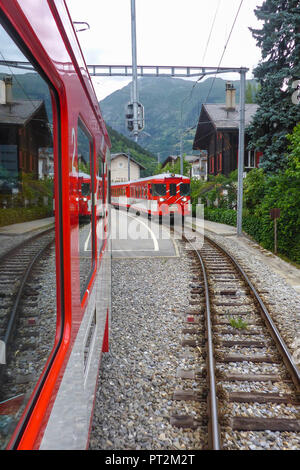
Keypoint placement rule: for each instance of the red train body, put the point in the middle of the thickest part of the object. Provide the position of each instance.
(54, 408)
(160, 195)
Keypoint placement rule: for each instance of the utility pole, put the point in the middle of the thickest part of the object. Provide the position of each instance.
(134, 90)
(241, 151)
(128, 153)
(181, 155)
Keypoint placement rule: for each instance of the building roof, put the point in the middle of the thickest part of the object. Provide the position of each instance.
(115, 155)
(169, 159)
(214, 117)
(229, 119)
(19, 112)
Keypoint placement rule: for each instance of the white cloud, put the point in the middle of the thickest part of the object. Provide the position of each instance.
(169, 32)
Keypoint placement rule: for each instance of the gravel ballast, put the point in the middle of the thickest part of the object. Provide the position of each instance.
(138, 376)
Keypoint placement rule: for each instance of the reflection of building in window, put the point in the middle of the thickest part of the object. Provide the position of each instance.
(119, 168)
(24, 133)
(46, 162)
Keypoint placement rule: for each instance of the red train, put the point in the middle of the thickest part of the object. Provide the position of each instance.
(85, 196)
(52, 124)
(160, 195)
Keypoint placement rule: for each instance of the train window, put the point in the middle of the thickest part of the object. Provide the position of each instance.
(159, 189)
(86, 206)
(100, 203)
(184, 189)
(173, 189)
(85, 189)
(28, 305)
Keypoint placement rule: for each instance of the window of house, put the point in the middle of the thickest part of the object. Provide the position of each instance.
(211, 164)
(250, 159)
(219, 162)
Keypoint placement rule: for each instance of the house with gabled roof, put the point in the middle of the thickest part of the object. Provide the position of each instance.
(218, 133)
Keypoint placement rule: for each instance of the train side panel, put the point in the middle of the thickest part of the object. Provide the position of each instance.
(59, 410)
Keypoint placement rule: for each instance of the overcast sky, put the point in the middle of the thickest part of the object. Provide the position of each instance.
(169, 32)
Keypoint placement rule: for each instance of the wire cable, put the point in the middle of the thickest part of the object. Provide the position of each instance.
(225, 47)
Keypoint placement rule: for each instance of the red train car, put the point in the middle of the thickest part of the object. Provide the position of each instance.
(48, 386)
(160, 195)
(85, 196)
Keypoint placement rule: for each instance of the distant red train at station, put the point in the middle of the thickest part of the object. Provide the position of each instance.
(161, 195)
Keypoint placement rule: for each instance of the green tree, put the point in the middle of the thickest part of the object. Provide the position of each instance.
(279, 40)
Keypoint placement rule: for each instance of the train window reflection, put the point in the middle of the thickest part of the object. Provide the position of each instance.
(86, 207)
(85, 189)
(27, 327)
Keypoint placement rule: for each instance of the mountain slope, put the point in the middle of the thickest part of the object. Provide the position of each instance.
(171, 105)
(120, 143)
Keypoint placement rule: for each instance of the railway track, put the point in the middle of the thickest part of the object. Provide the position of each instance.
(250, 381)
(16, 293)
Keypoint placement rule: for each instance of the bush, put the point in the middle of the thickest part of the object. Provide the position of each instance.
(14, 215)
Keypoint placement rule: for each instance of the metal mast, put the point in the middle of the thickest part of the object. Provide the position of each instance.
(134, 88)
(241, 152)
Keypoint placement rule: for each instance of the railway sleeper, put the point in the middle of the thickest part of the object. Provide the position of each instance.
(243, 358)
(273, 378)
(261, 397)
(240, 423)
(190, 395)
(189, 374)
(187, 422)
(245, 344)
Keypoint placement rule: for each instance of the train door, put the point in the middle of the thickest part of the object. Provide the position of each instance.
(32, 317)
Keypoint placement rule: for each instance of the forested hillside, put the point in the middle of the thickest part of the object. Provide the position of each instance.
(171, 106)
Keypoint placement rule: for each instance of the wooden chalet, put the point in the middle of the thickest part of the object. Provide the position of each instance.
(218, 133)
(24, 133)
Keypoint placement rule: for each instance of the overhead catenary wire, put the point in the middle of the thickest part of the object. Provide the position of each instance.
(219, 64)
(224, 50)
(203, 57)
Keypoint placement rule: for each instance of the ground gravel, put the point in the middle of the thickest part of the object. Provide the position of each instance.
(138, 376)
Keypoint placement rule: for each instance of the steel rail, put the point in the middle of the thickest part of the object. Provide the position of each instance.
(280, 344)
(214, 435)
(23, 280)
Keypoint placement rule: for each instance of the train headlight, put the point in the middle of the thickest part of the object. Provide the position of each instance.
(85, 199)
(161, 199)
(184, 199)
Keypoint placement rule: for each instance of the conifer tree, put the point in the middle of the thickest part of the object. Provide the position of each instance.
(278, 74)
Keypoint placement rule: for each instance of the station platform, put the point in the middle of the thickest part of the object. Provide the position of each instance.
(289, 272)
(25, 227)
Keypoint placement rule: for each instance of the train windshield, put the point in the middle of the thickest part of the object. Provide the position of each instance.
(185, 189)
(173, 189)
(159, 189)
(85, 189)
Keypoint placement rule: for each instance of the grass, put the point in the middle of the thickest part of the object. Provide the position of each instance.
(238, 323)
